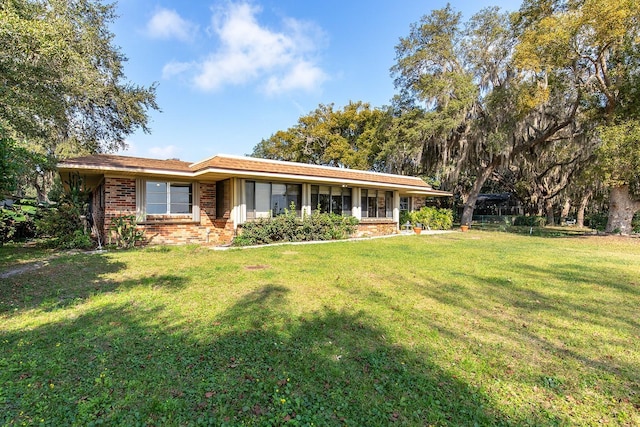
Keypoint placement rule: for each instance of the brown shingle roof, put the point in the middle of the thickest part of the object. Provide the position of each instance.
(112, 161)
(246, 164)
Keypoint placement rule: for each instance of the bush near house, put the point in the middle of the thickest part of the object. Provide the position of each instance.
(290, 228)
(433, 218)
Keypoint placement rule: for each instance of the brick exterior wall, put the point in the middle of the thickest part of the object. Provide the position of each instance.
(371, 228)
(419, 203)
(120, 199)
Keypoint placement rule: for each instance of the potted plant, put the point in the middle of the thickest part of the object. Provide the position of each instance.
(464, 228)
(417, 226)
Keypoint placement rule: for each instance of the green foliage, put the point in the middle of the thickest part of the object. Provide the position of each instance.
(405, 216)
(289, 228)
(432, 218)
(352, 137)
(64, 227)
(530, 221)
(596, 220)
(18, 221)
(124, 232)
(66, 75)
(66, 223)
(619, 155)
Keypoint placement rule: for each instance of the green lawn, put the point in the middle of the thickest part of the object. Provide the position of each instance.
(459, 329)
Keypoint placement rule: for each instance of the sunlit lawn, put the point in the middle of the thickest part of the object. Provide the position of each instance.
(459, 329)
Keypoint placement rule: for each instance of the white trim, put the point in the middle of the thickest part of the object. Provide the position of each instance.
(314, 179)
(304, 165)
(141, 198)
(396, 208)
(195, 202)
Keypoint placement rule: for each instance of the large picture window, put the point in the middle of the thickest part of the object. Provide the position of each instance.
(166, 198)
(265, 199)
(376, 203)
(331, 199)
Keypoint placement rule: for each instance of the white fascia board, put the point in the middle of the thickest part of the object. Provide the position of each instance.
(305, 165)
(105, 169)
(315, 179)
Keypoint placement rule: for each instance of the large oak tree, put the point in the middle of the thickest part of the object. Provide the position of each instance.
(63, 90)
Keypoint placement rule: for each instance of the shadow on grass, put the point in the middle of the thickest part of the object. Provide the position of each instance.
(538, 316)
(130, 365)
(77, 277)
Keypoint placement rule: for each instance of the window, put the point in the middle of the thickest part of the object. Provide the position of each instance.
(376, 203)
(222, 192)
(405, 204)
(167, 198)
(265, 199)
(331, 199)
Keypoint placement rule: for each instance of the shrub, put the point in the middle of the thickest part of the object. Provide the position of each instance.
(433, 218)
(125, 232)
(18, 221)
(530, 221)
(597, 221)
(65, 224)
(289, 228)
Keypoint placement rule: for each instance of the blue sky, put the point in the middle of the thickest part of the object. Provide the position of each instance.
(231, 73)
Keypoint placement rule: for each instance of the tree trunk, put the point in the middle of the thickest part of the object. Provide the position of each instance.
(548, 208)
(566, 207)
(621, 210)
(470, 204)
(582, 207)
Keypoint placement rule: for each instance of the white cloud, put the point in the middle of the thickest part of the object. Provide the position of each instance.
(167, 152)
(302, 75)
(174, 68)
(249, 52)
(167, 24)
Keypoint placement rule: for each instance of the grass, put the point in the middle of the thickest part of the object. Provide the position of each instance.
(460, 329)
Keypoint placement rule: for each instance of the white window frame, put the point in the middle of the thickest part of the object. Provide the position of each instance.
(141, 199)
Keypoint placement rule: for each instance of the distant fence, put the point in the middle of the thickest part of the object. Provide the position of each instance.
(494, 219)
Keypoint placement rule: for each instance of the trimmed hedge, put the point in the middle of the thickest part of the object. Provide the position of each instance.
(290, 228)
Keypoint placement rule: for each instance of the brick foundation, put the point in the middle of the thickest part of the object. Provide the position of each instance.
(377, 227)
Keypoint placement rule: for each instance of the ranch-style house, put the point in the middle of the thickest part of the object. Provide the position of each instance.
(178, 202)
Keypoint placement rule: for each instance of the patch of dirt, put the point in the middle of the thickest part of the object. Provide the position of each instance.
(255, 267)
(22, 269)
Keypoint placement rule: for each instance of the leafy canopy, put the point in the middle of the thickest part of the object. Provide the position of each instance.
(61, 77)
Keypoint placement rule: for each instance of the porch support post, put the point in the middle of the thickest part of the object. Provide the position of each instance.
(306, 199)
(396, 208)
(356, 207)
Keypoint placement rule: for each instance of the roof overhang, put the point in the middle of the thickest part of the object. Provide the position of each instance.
(215, 174)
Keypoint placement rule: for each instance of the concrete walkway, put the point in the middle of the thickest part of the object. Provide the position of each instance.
(320, 242)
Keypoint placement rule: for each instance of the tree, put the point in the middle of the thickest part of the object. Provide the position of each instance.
(62, 85)
(619, 163)
(352, 137)
(597, 43)
(483, 112)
